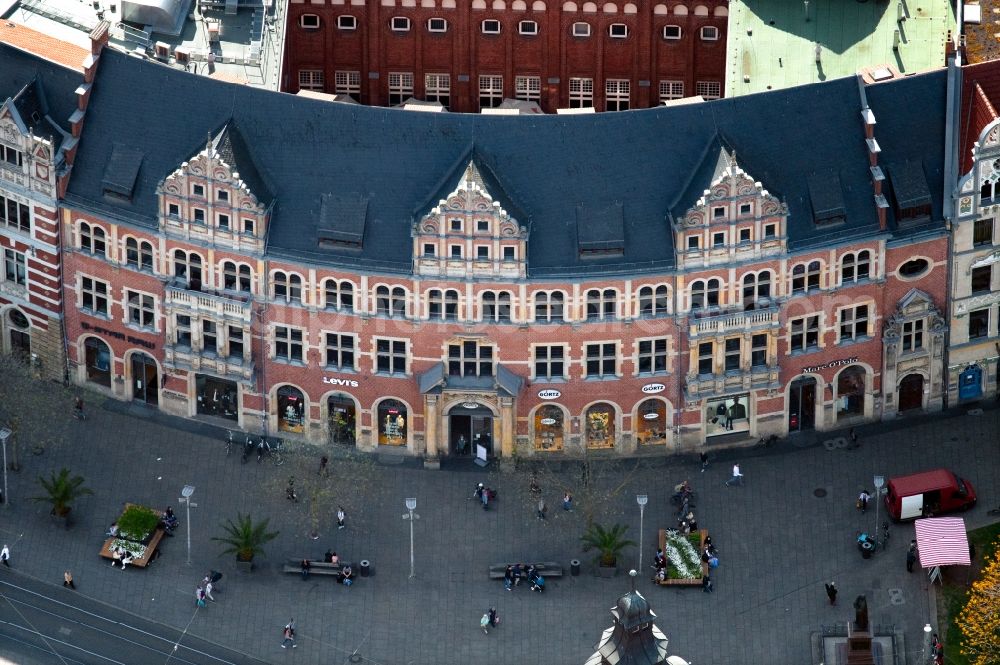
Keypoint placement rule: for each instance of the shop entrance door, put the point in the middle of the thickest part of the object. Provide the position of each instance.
(20, 344)
(802, 405)
(145, 384)
(466, 431)
(911, 392)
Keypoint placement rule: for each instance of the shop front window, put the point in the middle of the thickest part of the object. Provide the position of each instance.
(727, 415)
(391, 423)
(98, 361)
(342, 416)
(851, 392)
(651, 426)
(549, 432)
(600, 426)
(291, 410)
(217, 397)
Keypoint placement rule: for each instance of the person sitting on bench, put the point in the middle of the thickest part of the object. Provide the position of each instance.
(347, 577)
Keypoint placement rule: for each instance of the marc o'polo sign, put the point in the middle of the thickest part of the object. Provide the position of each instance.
(549, 394)
(653, 388)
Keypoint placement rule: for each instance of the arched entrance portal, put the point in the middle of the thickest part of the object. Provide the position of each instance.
(470, 424)
(802, 404)
(342, 419)
(911, 392)
(145, 381)
(20, 337)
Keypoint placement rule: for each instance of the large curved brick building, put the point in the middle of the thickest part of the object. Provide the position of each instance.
(660, 279)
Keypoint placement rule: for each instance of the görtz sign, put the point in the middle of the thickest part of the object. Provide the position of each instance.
(653, 388)
(549, 394)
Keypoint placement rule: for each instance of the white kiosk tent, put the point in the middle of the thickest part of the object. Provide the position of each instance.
(942, 541)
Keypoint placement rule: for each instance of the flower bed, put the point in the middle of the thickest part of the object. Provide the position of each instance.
(139, 534)
(683, 553)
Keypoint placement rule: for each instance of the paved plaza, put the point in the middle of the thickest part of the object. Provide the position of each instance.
(779, 540)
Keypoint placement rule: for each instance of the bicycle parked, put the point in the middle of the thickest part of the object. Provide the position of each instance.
(230, 441)
(272, 450)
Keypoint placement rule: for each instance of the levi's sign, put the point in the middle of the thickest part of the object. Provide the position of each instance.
(653, 388)
(334, 381)
(549, 394)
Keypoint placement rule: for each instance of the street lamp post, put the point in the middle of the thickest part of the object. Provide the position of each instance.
(642, 500)
(186, 500)
(4, 435)
(411, 505)
(879, 482)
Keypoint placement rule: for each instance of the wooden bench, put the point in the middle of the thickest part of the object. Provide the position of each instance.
(319, 567)
(544, 568)
(703, 533)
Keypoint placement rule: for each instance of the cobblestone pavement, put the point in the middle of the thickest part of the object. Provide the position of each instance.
(779, 540)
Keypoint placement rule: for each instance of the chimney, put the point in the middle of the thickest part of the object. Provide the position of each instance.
(868, 118)
(98, 40)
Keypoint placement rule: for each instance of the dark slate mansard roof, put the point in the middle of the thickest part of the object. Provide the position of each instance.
(555, 171)
(47, 91)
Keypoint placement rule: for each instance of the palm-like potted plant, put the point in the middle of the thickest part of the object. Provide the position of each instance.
(61, 490)
(609, 543)
(245, 539)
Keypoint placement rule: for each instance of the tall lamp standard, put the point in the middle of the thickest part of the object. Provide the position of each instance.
(642, 500)
(4, 435)
(879, 482)
(186, 500)
(411, 505)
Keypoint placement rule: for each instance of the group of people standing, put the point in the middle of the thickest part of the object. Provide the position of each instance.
(205, 587)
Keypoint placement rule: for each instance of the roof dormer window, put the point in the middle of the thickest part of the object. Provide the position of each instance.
(491, 27)
(709, 33)
(581, 29)
(347, 22)
(618, 31)
(400, 24)
(309, 21)
(527, 27)
(671, 32)
(437, 25)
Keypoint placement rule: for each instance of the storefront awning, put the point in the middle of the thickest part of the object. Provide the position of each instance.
(504, 382)
(942, 541)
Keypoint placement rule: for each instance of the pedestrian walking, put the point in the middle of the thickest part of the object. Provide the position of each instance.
(288, 633)
(341, 516)
(541, 508)
(494, 619)
(737, 478)
(199, 596)
(854, 438)
(863, 499)
(508, 577)
(485, 621)
(5, 556)
(706, 584)
(208, 591)
(831, 592)
(567, 501)
(911, 556)
(704, 461)
(323, 461)
(68, 580)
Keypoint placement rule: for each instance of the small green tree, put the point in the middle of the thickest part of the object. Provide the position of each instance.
(609, 543)
(980, 618)
(245, 538)
(61, 490)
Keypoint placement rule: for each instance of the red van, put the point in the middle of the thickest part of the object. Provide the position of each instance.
(928, 493)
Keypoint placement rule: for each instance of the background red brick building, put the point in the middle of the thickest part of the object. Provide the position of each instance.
(469, 56)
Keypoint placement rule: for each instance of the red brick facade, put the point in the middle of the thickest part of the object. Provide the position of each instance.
(536, 41)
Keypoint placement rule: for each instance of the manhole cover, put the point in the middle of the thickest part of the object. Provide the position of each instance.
(819, 492)
(896, 596)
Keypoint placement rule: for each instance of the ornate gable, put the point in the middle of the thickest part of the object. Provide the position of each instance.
(218, 195)
(471, 232)
(734, 219)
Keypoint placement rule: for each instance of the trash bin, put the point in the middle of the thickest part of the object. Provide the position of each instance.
(365, 567)
(574, 567)
(866, 549)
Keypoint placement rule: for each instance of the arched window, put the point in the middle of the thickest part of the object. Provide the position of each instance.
(288, 286)
(651, 423)
(138, 255)
(391, 423)
(602, 304)
(851, 391)
(600, 426)
(705, 293)
(97, 356)
(549, 427)
(756, 286)
(236, 277)
(442, 305)
(92, 239)
(390, 302)
(187, 269)
(549, 307)
(291, 410)
(654, 302)
(806, 277)
(496, 306)
(854, 268)
(338, 295)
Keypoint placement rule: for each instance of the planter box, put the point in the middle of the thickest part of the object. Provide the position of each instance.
(606, 571)
(703, 533)
(244, 566)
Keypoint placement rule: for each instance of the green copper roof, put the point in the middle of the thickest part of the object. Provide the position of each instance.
(772, 45)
